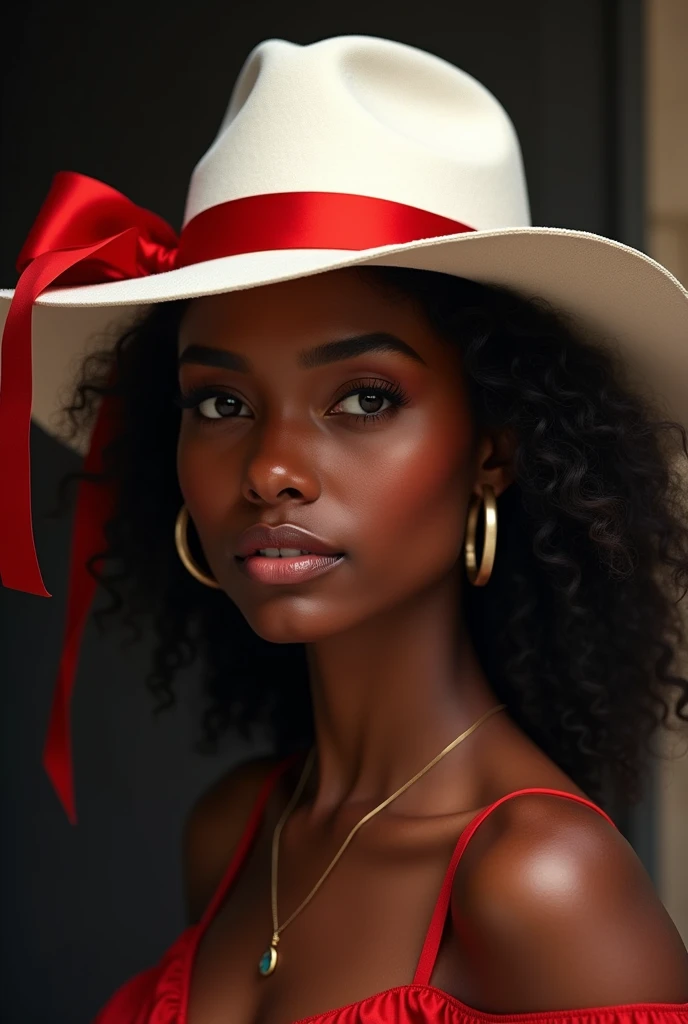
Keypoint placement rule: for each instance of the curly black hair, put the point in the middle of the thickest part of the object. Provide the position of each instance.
(579, 630)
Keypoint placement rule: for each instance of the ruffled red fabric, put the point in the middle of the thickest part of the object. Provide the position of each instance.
(160, 995)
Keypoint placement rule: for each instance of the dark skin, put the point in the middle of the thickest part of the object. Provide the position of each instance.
(551, 909)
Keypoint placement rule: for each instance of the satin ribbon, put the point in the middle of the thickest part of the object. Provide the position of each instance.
(88, 233)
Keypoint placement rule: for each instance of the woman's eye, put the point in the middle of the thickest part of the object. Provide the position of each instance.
(368, 403)
(208, 404)
(219, 407)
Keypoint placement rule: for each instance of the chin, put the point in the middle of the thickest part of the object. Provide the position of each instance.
(287, 619)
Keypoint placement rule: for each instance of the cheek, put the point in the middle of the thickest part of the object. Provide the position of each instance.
(208, 477)
(421, 492)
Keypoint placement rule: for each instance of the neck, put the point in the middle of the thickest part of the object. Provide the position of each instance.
(388, 696)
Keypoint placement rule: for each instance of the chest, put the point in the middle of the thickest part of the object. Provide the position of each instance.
(362, 933)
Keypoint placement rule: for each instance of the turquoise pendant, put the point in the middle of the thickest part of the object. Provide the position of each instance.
(268, 961)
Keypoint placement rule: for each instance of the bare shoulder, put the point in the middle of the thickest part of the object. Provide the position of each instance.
(554, 910)
(213, 828)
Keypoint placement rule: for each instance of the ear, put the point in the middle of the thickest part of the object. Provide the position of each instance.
(495, 459)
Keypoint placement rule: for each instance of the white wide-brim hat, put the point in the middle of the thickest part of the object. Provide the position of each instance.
(349, 151)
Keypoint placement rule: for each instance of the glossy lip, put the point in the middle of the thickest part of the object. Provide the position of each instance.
(261, 536)
(286, 571)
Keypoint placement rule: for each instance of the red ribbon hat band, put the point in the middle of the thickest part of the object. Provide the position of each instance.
(89, 233)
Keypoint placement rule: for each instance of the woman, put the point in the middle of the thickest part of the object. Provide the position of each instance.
(323, 434)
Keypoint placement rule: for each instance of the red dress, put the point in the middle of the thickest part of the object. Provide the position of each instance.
(160, 994)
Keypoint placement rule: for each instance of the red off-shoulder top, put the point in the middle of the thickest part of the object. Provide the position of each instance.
(160, 994)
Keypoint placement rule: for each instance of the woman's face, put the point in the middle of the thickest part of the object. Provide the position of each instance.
(279, 437)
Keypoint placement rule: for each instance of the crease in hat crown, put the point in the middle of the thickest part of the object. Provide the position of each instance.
(368, 116)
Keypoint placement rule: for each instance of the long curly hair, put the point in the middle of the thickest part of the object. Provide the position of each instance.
(579, 630)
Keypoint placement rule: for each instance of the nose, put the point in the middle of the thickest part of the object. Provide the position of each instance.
(281, 464)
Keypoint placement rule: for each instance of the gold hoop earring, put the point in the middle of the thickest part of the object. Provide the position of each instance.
(479, 577)
(182, 546)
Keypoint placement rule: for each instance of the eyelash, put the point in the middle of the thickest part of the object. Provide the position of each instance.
(393, 392)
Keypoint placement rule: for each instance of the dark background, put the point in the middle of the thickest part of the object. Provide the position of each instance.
(133, 93)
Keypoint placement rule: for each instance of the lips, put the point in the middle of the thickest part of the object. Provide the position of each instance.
(262, 536)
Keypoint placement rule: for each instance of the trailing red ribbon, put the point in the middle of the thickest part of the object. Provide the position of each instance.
(88, 233)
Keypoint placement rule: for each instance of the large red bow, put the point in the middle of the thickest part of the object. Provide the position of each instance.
(86, 233)
(89, 233)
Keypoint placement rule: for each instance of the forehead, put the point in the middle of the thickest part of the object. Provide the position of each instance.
(322, 307)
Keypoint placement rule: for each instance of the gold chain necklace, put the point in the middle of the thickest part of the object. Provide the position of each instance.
(268, 961)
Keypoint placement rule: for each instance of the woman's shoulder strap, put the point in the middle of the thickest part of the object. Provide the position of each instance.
(246, 838)
(433, 937)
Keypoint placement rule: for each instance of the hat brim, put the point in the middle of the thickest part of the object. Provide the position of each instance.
(617, 296)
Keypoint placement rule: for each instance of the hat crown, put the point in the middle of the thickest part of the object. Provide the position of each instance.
(365, 116)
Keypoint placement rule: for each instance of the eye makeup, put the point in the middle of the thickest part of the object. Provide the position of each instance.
(194, 398)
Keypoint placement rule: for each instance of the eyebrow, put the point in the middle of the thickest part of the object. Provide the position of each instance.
(307, 359)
